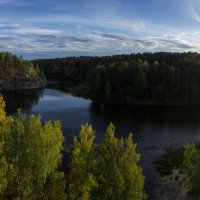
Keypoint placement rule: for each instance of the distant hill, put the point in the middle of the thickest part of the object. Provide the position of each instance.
(17, 73)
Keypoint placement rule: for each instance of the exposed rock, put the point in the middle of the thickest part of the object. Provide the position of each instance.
(169, 187)
(23, 84)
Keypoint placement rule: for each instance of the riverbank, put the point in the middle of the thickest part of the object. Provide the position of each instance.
(81, 90)
(171, 177)
(168, 166)
(84, 90)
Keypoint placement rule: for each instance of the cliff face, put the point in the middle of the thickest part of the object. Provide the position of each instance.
(23, 84)
(19, 74)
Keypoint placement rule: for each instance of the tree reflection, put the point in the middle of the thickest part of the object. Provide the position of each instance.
(23, 99)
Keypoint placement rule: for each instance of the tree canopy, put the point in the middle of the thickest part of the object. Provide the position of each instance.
(31, 153)
(106, 171)
(148, 78)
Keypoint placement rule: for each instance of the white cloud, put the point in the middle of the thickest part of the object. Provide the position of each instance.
(36, 31)
(115, 32)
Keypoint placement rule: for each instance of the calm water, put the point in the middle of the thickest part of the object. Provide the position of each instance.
(155, 126)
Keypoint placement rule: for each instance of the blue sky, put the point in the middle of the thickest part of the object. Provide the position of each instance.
(57, 28)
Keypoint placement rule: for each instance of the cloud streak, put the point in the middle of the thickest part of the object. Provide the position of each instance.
(92, 28)
(45, 41)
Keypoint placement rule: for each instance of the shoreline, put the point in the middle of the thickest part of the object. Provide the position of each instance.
(170, 173)
(83, 90)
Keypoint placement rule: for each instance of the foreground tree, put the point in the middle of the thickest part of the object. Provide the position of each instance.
(118, 173)
(3, 163)
(191, 168)
(31, 154)
(113, 175)
(82, 166)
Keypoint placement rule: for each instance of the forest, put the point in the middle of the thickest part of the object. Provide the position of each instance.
(148, 78)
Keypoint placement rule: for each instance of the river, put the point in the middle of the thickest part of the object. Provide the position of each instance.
(154, 128)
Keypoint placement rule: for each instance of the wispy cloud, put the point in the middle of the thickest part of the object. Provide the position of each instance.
(93, 27)
(191, 8)
(49, 41)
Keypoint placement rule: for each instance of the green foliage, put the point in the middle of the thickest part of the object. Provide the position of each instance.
(3, 163)
(108, 91)
(106, 171)
(54, 187)
(109, 175)
(2, 109)
(148, 78)
(82, 180)
(118, 173)
(191, 168)
(30, 154)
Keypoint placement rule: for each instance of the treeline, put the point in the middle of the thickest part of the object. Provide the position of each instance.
(148, 78)
(14, 67)
(31, 154)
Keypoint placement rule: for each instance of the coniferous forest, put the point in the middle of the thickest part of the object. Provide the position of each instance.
(148, 78)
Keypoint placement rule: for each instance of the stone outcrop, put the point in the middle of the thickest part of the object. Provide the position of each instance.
(34, 82)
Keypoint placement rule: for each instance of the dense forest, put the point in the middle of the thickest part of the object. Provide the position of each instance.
(17, 73)
(148, 78)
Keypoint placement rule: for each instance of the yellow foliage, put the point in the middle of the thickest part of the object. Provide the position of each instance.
(2, 109)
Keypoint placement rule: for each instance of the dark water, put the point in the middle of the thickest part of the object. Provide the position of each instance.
(154, 127)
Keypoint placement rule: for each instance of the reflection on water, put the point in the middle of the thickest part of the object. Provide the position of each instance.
(23, 99)
(155, 126)
(158, 125)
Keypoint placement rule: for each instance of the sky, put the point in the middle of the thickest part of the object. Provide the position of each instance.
(59, 28)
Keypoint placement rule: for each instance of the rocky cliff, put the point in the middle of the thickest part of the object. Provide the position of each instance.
(19, 74)
(23, 84)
